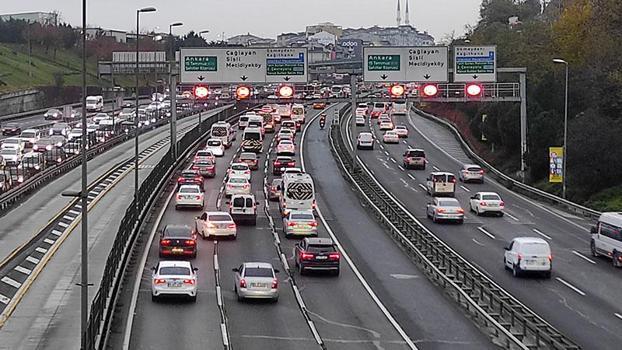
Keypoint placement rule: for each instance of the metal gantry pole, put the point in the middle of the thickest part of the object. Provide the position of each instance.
(173, 89)
(136, 206)
(523, 124)
(353, 92)
(84, 296)
(564, 174)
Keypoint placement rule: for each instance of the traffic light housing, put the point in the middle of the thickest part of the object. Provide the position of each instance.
(242, 92)
(473, 90)
(429, 90)
(397, 90)
(285, 91)
(200, 92)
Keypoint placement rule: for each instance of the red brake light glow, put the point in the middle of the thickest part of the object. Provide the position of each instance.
(242, 283)
(189, 281)
(159, 281)
(334, 256)
(275, 283)
(165, 242)
(305, 256)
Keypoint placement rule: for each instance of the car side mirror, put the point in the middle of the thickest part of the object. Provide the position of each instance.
(507, 247)
(593, 229)
(195, 269)
(473, 197)
(153, 268)
(235, 269)
(276, 271)
(228, 202)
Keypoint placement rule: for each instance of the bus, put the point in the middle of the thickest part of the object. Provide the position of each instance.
(297, 193)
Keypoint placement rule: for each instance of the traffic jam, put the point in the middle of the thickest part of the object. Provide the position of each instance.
(220, 198)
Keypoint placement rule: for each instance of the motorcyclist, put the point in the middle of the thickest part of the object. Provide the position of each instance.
(322, 120)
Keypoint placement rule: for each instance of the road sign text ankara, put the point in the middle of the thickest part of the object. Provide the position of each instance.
(201, 63)
(383, 63)
(405, 64)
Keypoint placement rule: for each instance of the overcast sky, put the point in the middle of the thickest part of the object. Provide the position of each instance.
(265, 18)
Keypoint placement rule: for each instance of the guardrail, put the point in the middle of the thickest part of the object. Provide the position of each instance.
(506, 180)
(512, 324)
(102, 307)
(12, 196)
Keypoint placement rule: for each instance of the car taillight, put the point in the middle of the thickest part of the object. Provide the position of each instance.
(159, 281)
(178, 196)
(334, 256)
(189, 281)
(181, 179)
(247, 172)
(460, 210)
(305, 256)
(314, 223)
(198, 178)
(190, 242)
(483, 204)
(481, 172)
(242, 283)
(275, 283)
(277, 163)
(165, 242)
(502, 204)
(246, 186)
(313, 205)
(550, 258)
(199, 196)
(231, 226)
(520, 257)
(453, 180)
(291, 224)
(229, 186)
(440, 210)
(195, 168)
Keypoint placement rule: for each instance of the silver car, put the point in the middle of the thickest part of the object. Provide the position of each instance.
(445, 209)
(256, 280)
(300, 223)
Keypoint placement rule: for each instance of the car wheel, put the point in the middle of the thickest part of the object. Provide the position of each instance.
(505, 264)
(477, 212)
(154, 298)
(301, 270)
(194, 255)
(593, 248)
(434, 219)
(500, 214)
(274, 300)
(547, 274)
(515, 271)
(193, 299)
(336, 272)
(616, 258)
(460, 222)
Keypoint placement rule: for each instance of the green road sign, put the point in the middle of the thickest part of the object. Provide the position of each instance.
(383, 62)
(201, 63)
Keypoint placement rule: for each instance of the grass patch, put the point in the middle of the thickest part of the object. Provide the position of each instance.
(607, 200)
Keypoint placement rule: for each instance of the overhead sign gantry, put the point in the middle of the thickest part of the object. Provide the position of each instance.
(405, 64)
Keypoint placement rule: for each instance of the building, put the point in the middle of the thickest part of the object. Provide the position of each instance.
(324, 27)
(290, 39)
(118, 35)
(323, 38)
(249, 40)
(404, 35)
(45, 18)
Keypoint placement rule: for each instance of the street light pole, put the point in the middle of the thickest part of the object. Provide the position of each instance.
(201, 111)
(173, 90)
(565, 147)
(84, 292)
(136, 186)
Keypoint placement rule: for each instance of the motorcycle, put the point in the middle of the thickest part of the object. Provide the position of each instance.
(322, 123)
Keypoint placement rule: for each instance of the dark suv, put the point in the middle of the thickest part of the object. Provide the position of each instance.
(178, 240)
(317, 254)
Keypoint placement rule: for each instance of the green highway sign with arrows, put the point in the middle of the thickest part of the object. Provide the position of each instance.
(383, 63)
(201, 63)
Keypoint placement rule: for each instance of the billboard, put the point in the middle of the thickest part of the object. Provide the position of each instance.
(353, 48)
(556, 164)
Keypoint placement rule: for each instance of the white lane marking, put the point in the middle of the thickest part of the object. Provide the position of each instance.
(583, 257)
(618, 315)
(74, 212)
(486, 232)
(70, 218)
(464, 188)
(542, 234)
(223, 331)
(513, 217)
(399, 276)
(60, 223)
(4, 299)
(393, 160)
(41, 250)
(56, 232)
(401, 167)
(49, 241)
(411, 176)
(11, 282)
(23, 270)
(436, 168)
(405, 142)
(567, 284)
(477, 242)
(423, 187)
(32, 259)
(387, 153)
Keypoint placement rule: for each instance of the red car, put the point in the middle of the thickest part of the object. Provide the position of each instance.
(282, 162)
(190, 177)
(250, 159)
(206, 168)
(11, 129)
(178, 240)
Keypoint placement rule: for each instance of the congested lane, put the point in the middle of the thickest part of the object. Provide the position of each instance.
(581, 290)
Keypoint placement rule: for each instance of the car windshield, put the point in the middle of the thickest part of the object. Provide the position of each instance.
(204, 163)
(189, 174)
(185, 232)
(474, 169)
(29, 134)
(204, 154)
(416, 154)
(301, 216)
(248, 156)
(448, 203)
(175, 271)
(491, 197)
(378, 105)
(258, 272)
(252, 136)
(219, 217)
(189, 190)
(286, 142)
(535, 248)
(240, 167)
(11, 141)
(321, 248)
(11, 125)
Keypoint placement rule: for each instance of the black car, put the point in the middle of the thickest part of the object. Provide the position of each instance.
(317, 254)
(11, 129)
(282, 162)
(178, 240)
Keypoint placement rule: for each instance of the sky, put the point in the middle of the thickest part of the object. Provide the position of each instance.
(265, 18)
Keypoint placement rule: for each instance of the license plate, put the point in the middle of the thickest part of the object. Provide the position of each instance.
(174, 284)
(321, 257)
(259, 285)
(178, 250)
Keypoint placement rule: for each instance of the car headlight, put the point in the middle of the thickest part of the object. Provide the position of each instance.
(48, 147)
(37, 167)
(59, 160)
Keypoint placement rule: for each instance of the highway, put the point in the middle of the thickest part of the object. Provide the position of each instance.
(46, 317)
(344, 313)
(582, 297)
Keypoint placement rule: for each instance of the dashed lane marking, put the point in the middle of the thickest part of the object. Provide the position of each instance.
(465, 188)
(411, 176)
(567, 284)
(4, 299)
(11, 282)
(422, 187)
(483, 230)
(41, 250)
(32, 259)
(23, 270)
(513, 217)
(436, 168)
(542, 234)
(583, 257)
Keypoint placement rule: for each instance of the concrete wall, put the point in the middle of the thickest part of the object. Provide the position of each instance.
(21, 101)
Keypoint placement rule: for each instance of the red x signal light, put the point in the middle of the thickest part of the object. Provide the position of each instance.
(286, 91)
(200, 91)
(242, 92)
(397, 90)
(429, 90)
(473, 90)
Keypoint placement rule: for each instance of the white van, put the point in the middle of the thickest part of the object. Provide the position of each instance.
(298, 113)
(441, 183)
(252, 140)
(399, 108)
(224, 132)
(243, 209)
(94, 103)
(607, 237)
(297, 193)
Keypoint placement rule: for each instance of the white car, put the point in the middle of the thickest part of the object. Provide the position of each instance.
(528, 254)
(237, 185)
(99, 117)
(390, 136)
(174, 278)
(359, 121)
(486, 202)
(215, 223)
(216, 147)
(30, 136)
(361, 111)
(75, 133)
(13, 142)
(448, 209)
(401, 130)
(471, 172)
(285, 148)
(365, 140)
(386, 125)
(189, 196)
(256, 280)
(239, 170)
(11, 156)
